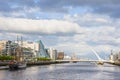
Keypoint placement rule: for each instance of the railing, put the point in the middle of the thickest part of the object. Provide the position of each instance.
(82, 60)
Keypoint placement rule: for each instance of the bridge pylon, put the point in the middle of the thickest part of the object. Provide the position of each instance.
(100, 60)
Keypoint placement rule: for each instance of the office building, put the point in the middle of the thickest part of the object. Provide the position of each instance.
(60, 55)
(37, 48)
(115, 57)
(53, 53)
(7, 47)
(41, 50)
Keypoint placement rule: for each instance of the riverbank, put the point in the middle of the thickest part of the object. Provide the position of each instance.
(45, 63)
(116, 63)
(4, 65)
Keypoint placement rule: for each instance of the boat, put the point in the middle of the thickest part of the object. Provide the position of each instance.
(18, 62)
(14, 65)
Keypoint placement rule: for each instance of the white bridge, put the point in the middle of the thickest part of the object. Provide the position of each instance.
(99, 61)
(85, 60)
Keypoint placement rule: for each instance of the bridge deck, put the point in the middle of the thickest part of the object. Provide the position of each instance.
(105, 61)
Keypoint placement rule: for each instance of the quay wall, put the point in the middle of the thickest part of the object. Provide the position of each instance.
(116, 63)
(4, 65)
(45, 63)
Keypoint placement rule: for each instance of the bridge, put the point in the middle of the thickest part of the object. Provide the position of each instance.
(84, 60)
(99, 61)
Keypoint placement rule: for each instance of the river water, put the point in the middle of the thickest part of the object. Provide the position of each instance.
(66, 71)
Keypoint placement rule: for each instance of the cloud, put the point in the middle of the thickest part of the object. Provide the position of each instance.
(100, 30)
(59, 23)
(102, 34)
(107, 7)
(79, 45)
(90, 20)
(45, 27)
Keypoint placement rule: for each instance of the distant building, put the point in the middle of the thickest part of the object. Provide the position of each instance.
(67, 57)
(119, 56)
(41, 50)
(53, 53)
(30, 48)
(111, 57)
(60, 55)
(37, 48)
(7, 47)
(47, 52)
(2, 46)
(115, 57)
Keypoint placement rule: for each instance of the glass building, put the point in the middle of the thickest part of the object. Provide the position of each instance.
(42, 51)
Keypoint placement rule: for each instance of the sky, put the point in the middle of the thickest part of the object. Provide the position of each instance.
(72, 26)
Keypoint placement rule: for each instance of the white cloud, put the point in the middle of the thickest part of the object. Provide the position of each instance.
(102, 34)
(89, 20)
(38, 26)
(98, 32)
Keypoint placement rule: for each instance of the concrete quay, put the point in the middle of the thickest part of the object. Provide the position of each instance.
(4, 65)
(44, 63)
(116, 63)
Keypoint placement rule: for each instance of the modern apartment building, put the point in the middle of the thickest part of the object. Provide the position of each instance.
(28, 49)
(7, 47)
(36, 47)
(53, 53)
(2, 46)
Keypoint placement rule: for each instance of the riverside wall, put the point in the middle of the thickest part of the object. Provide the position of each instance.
(4, 65)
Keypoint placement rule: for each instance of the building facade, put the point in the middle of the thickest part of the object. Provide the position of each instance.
(37, 48)
(115, 57)
(42, 51)
(2, 46)
(53, 53)
(60, 55)
(29, 49)
(7, 47)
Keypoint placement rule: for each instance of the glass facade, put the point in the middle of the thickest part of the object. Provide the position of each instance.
(42, 51)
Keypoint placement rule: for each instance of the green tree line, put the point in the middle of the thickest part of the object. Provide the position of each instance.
(5, 57)
(43, 59)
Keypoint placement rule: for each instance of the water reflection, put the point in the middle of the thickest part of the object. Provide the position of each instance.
(68, 71)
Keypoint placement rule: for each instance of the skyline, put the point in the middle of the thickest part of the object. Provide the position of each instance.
(72, 26)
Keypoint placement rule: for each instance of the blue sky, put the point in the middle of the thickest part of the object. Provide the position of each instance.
(73, 26)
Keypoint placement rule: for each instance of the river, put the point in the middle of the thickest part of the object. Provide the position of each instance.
(66, 71)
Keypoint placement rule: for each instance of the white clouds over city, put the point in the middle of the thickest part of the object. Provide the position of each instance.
(47, 27)
(72, 26)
